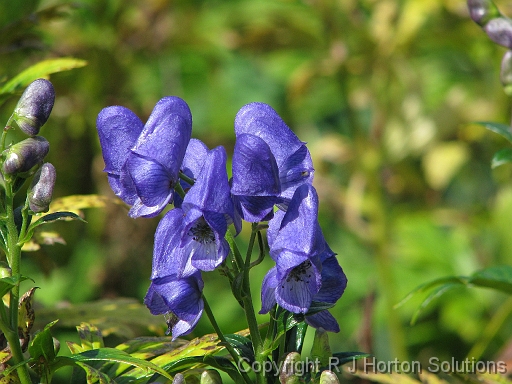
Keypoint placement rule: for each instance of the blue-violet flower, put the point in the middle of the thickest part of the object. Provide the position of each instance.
(143, 161)
(269, 162)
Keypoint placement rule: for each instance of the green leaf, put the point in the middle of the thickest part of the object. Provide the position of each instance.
(192, 354)
(497, 277)
(285, 321)
(501, 157)
(6, 283)
(242, 344)
(501, 129)
(49, 218)
(431, 284)
(40, 70)
(117, 356)
(42, 345)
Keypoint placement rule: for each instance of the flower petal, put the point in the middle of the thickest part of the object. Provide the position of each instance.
(211, 191)
(301, 217)
(334, 282)
(118, 129)
(262, 120)
(268, 288)
(323, 320)
(255, 170)
(168, 258)
(295, 290)
(295, 171)
(152, 181)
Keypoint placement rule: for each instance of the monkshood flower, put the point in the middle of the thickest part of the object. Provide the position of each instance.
(306, 268)
(192, 237)
(269, 162)
(143, 161)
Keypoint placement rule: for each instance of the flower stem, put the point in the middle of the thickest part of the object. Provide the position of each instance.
(250, 315)
(14, 259)
(236, 357)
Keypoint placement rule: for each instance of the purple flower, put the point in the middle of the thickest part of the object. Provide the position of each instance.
(192, 237)
(180, 299)
(269, 162)
(143, 161)
(306, 269)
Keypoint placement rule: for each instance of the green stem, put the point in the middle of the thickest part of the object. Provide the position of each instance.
(236, 357)
(250, 315)
(14, 259)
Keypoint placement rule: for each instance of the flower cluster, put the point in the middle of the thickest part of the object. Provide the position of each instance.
(157, 163)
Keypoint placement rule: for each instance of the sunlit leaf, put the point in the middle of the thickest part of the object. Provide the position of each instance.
(190, 355)
(118, 356)
(501, 157)
(75, 203)
(90, 337)
(40, 70)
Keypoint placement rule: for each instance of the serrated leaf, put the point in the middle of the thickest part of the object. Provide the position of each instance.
(501, 129)
(40, 70)
(501, 157)
(497, 277)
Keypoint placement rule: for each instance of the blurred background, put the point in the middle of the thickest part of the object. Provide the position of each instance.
(384, 92)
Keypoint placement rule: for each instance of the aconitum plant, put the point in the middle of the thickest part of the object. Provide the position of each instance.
(157, 164)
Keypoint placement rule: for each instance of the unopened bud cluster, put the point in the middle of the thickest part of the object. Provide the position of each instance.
(499, 29)
(26, 158)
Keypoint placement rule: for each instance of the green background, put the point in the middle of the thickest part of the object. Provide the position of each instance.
(384, 92)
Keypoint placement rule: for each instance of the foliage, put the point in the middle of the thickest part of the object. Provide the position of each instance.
(386, 95)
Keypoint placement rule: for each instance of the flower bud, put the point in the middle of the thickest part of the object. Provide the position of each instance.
(288, 373)
(328, 377)
(482, 11)
(41, 189)
(499, 30)
(210, 376)
(22, 156)
(34, 106)
(506, 72)
(178, 379)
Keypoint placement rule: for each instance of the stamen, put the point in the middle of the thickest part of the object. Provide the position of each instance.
(201, 232)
